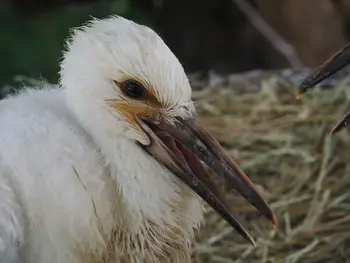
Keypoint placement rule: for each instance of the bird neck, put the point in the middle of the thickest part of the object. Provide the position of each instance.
(149, 191)
(158, 213)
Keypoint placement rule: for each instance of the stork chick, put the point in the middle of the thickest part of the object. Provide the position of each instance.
(109, 166)
(331, 66)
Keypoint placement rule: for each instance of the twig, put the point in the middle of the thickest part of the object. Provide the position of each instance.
(276, 40)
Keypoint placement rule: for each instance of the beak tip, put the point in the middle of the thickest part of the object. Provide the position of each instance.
(298, 94)
(267, 212)
(273, 219)
(275, 222)
(252, 241)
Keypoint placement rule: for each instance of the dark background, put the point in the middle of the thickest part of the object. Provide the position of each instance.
(204, 34)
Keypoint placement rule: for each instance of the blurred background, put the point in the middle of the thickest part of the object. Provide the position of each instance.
(204, 34)
(240, 56)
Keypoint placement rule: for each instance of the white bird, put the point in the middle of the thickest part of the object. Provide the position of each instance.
(100, 169)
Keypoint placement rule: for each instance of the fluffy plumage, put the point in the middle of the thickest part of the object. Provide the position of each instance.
(74, 186)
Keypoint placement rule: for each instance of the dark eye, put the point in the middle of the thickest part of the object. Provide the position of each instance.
(132, 89)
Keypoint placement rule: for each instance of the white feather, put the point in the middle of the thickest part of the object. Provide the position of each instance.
(74, 186)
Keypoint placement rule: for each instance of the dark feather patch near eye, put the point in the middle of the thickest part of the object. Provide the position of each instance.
(133, 89)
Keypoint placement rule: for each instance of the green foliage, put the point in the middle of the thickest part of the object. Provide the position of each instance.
(32, 46)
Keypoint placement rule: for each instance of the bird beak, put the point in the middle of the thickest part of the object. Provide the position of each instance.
(183, 147)
(335, 63)
(328, 68)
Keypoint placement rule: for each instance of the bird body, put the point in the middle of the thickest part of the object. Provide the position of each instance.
(89, 172)
(59, 202)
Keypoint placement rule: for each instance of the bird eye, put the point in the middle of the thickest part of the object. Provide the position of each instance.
(132, 89)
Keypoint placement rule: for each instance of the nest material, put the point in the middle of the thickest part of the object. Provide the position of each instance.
(284, 146)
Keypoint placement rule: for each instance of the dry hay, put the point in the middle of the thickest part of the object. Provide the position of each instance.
(284, 146)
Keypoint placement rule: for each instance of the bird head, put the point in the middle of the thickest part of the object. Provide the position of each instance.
(126, 73)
